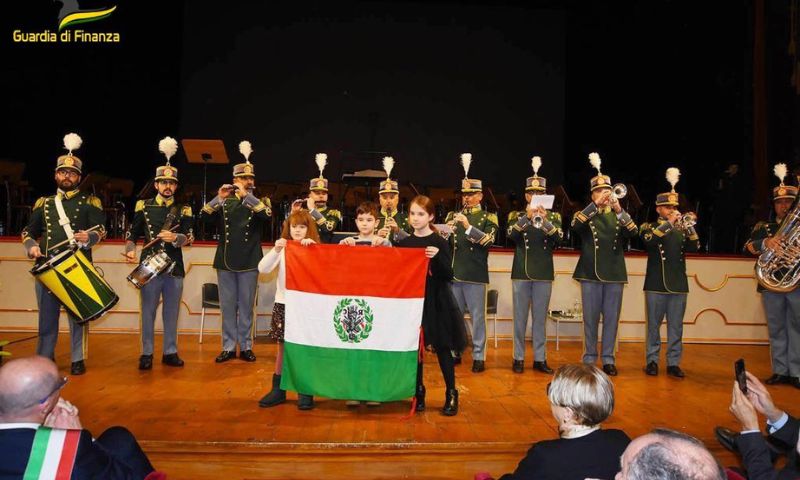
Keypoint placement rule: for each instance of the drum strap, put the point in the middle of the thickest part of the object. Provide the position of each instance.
(63, 220)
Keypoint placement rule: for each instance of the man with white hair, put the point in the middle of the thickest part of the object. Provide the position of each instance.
(668, 455)
(41, 435)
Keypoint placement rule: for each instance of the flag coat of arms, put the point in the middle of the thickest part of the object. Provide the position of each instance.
(353, 317)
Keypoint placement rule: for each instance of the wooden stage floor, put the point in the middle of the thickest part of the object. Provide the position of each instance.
(203, 421)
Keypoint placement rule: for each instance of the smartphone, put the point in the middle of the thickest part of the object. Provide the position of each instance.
(741, 378)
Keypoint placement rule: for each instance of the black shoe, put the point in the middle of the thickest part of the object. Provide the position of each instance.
(478, 366)
(450, 403)
(776, 379)
(247, 356)
(542, 367)
(145, 362)
(78, 368)
(610, 369)
(518, 366)
(652, 369)
(276, 396)
(727, 438)
(225, 356)
(172, 360)
(675, 371)
(456, 359)
(305, 402)
(420, 396)
(794, 381)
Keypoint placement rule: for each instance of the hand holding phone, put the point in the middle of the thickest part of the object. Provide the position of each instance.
(741, 377)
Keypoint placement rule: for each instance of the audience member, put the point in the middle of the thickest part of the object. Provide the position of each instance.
(668, 455)
(40, 431)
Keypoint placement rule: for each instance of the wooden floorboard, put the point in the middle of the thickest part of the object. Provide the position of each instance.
(202, 421)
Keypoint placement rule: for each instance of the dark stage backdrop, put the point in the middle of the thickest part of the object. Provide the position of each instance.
(420, 81)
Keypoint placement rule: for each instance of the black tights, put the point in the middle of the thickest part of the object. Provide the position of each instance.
(447, 366)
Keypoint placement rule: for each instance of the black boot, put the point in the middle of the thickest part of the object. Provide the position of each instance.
(420, 399)
(276, 396)
(450, 403)
(305, 402)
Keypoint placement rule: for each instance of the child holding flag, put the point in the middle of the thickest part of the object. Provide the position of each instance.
(366, 219)
(299, 227)
(442, 325)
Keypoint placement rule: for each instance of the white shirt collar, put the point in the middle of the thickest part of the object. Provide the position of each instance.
(10, 426)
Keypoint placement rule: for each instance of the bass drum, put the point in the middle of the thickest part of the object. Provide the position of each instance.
(75, 282)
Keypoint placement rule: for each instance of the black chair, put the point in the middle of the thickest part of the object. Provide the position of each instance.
(210, 300)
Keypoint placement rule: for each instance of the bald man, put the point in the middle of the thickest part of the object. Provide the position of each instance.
(40, 431)
(668, 455)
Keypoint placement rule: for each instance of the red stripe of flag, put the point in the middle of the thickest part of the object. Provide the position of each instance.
(65, 465)
(346, 270)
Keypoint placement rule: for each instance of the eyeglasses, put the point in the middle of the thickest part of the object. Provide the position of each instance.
(68, 173)
(61, 383)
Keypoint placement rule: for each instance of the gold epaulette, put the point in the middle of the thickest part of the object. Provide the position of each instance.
(186, 211)
(39, 202)
(139, 206)
(492, 217)
(94, 201)
(336, 213)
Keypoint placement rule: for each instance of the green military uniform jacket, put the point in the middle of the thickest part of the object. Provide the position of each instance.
(83, 210)
(240, 222)
(471, 251)
(148, 220)
(401, 218)
(666, 260)
(755, 245)
(328, 220)
(533, 247)
(603, 237)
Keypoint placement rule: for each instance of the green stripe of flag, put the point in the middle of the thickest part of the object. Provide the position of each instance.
(38, 450)
(347, 374)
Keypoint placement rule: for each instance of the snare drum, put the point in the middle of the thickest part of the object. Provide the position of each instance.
(151, 267)
(72, 278)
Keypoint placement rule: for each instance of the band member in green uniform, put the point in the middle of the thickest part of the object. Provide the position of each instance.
(69, 215)
(536, 232)
(161, 218)
(474, 231)
(781, 308)
(604, 228)
(240, 216)
(328, 219)
(392, 224)
(666, 287)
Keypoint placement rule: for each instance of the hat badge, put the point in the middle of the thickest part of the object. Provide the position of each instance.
(248, 169)
(321, 184)
(781, 191)
(673, 198)
(167, 172)
(535, 182)
(69, 161)
(601, 180)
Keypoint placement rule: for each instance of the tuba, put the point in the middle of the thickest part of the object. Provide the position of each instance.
(779, 271)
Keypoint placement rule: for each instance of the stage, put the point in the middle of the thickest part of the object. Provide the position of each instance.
(202, 421)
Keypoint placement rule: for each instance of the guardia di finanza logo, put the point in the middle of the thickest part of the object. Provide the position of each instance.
(352, 320)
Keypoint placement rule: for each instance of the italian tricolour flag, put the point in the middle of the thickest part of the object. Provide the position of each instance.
(353, 318)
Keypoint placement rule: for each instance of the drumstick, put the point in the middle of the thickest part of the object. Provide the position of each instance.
(70, 240)
(156, 240)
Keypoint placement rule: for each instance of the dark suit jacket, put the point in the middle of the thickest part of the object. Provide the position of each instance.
(91, 460)
(756, 458)
(595, 456)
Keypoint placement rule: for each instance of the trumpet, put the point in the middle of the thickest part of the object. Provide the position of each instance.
(618, 191)
(537, 221)
(687, 221)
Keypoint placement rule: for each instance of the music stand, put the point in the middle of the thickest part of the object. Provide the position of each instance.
(96, 182)
(205, 152)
